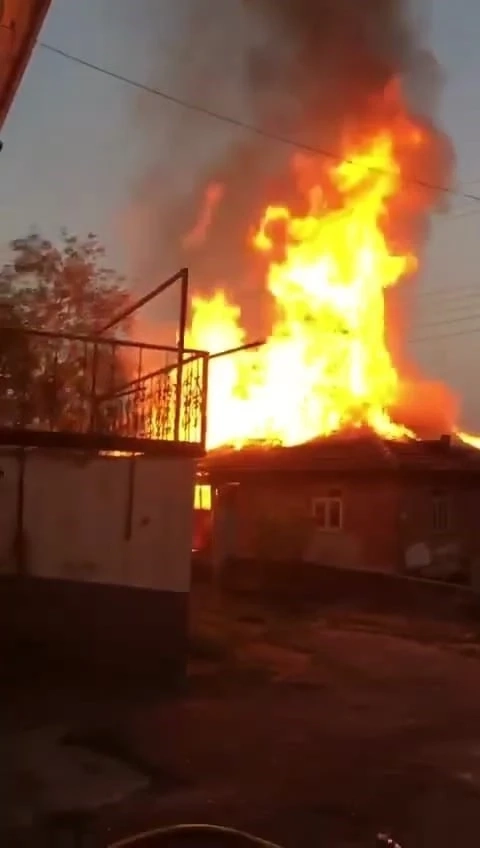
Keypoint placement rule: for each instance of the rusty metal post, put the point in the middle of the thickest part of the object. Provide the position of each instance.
(181, 351)
(93, 390)
(239, 349)
(204, 415)
(142, 301)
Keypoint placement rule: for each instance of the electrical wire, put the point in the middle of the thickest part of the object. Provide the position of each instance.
(191, 830)
(237, 122)
(459, 320)
(440, 336)
(467, 213)
(445, 322)
(424, 320)
(446, 293)
(447, 306)
(445, 309)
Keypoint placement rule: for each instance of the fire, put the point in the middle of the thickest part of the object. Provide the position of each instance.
(469, 439)
(325, 365)
(213, 196)
(216, 323)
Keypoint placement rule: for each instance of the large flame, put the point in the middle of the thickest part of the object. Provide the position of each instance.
(325, 366)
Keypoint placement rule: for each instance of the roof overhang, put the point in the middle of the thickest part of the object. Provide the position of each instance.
(361, 454)
(20, 23)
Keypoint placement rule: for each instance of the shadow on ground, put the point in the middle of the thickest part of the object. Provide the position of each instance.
(310, 730)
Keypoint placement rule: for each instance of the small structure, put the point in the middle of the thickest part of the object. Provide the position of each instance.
(20, 23)
(359, 503)
(99, 439)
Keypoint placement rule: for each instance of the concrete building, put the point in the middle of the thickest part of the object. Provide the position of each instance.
(96, 503)
(357, 504)
(99, 571)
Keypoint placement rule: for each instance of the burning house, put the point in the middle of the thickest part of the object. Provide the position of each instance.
(323, 440)
(336, 456)
(335, 450)
(391, 506)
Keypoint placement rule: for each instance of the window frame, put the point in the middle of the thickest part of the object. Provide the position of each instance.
(200, 495)
(327, 500)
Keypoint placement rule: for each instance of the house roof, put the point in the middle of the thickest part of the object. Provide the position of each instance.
(20, 23)
(355, 454)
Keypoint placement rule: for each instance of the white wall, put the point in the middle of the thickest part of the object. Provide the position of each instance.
(161, 544)
(75, 518)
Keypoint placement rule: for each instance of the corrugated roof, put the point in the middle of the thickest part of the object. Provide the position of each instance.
(353, 454)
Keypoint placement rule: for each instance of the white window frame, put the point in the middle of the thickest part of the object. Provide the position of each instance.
(327, 501)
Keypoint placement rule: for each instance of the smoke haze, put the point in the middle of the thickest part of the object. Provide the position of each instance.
(298, 69)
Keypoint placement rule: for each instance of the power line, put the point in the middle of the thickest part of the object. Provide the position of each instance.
(471, 182)
(466, 213)
(424, 319)
(439, 336)
(446, 293)
(237, 122)
(444, 321)
(447, 310)
(447, 307)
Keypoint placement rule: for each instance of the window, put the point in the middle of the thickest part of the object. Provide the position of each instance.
(327, 512)
(202, 498)
(441, 512)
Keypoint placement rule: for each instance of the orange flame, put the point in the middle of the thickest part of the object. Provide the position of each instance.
(469, 439)
(213, 197)
(325, 366)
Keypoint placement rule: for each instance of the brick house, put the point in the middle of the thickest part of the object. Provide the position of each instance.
(359, 503)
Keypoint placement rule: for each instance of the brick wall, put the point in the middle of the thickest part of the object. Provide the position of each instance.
(274, 522)
(461, 541)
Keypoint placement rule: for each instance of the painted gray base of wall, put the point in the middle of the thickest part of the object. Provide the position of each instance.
(71, 629)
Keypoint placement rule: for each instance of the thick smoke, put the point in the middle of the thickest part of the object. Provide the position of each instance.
(297, 69)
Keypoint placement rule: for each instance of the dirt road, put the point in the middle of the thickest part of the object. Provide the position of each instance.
(316, 731)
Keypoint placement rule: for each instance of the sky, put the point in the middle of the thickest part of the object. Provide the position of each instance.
(73, 153)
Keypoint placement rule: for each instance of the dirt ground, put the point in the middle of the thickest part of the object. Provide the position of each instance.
(307, 729)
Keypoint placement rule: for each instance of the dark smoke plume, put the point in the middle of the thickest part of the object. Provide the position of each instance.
(300, 69)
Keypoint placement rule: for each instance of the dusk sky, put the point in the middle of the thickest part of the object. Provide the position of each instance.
(73, 152)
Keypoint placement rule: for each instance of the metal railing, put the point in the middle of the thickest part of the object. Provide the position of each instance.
(96, 386)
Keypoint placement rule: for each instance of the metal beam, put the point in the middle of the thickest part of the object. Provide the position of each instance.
(62, 440)
(127, 388)
(94, 339)
(142, 301)
(166, 369)
(181, 350)
(248, 346)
